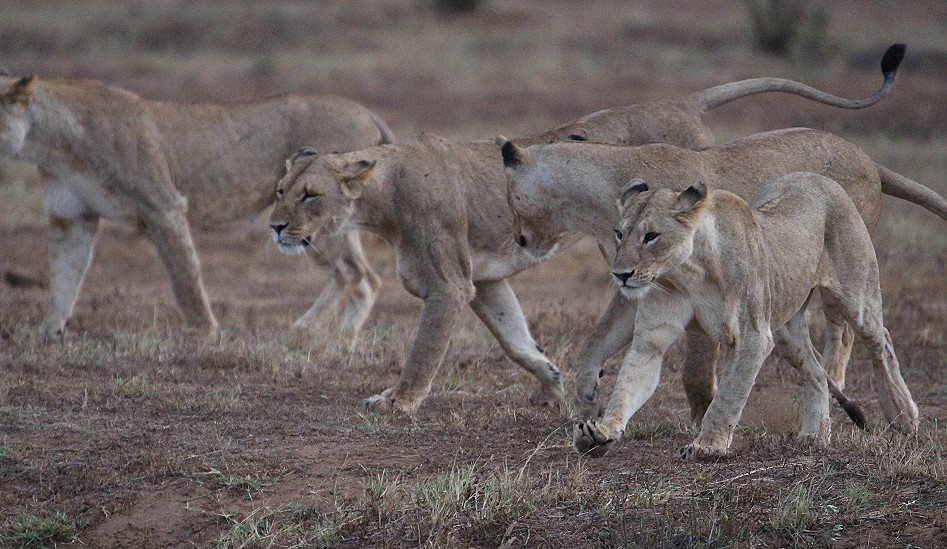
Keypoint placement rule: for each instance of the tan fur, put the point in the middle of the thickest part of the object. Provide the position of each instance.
(565, 188)
(705, 261)
(105, 152)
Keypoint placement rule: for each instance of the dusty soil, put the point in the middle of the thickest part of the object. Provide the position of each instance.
(148, 438)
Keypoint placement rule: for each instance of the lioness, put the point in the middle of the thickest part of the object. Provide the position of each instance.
(444, 210)
(106, 152)
(565, 188)
(708, 262)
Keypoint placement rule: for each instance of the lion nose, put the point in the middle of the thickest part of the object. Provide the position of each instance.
(623, 277)
(278, 227)
(522, 240)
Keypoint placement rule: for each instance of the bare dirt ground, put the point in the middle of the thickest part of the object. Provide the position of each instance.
(145, 438)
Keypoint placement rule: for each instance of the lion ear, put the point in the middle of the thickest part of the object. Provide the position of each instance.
(632, 189)
(354, 175)
(512, 155)
(22, 90)
(302, 153)
(691, 197)
(578, 134)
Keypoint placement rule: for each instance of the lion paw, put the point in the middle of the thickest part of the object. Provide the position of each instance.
(697, 452)
(550, 394)
(51, 333)
(387, 401)
(593, 438)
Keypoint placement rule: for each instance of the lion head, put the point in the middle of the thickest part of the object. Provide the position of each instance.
(14, 124)
(316, 196)
(655, 234)
(538, 228)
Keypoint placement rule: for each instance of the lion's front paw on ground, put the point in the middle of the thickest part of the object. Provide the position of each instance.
(379, 403)
(388, 401)
(593, 439)
(696, 452)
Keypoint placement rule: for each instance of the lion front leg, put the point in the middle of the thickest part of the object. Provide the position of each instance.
(497, 307)
(352, 287)
(611, 334)
(438, 317)
(738, 375)
(70, 247)
(657, 326)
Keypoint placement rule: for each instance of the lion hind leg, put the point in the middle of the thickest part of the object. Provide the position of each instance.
(792, 343)
(864, 313)
(497, 307)
(838, 349)
(70, 246)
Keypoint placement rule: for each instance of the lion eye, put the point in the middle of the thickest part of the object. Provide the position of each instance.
(618, 235)
(307, 196)
(650, 236)
(279, 194)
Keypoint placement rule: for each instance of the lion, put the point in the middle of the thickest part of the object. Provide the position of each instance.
(444, 211)
(565, 188)
(707, 261)
(105, 152)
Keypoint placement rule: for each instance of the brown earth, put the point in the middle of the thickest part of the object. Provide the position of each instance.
(149, 439)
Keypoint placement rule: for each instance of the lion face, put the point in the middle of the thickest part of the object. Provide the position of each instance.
(14, 124)
(655, 235)
(316, 196)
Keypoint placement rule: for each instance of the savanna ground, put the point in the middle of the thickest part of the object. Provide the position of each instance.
(130, 435)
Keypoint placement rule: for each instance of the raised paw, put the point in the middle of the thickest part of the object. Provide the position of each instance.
(594, 439)
(696, 452)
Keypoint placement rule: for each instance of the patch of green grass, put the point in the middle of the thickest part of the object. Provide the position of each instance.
(265, 527)
(248, 485)
(31, 531)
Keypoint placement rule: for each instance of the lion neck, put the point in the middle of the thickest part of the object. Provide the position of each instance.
(374, 211)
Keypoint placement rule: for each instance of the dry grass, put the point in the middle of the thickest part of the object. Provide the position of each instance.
(144, 437)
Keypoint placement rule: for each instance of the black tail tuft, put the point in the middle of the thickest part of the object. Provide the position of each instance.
(892, 59)
(511, 156)
(852, 409)
(855, 413)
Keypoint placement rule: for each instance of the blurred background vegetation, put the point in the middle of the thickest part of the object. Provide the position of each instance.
(474, 68)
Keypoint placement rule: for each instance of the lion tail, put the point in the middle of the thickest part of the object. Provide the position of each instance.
(716, 96)
(387, 136)
(897, 185)
(850, 407)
